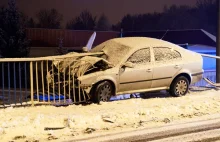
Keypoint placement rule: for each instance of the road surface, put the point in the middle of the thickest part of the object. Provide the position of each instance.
(202, 131)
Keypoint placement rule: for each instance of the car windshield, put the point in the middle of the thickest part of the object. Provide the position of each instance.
(114, 52)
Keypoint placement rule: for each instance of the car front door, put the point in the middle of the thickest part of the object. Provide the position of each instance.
(140, 75)
(167, 62)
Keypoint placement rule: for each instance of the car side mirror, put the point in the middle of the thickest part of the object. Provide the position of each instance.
(128, 64)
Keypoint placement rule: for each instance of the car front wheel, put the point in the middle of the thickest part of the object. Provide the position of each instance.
(102, 92)
(179, 87)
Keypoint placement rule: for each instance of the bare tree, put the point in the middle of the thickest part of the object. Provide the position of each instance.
(85, 21)
(31, 23)
(49, 19)
(179, 17)
(103, 23)
(203, 15)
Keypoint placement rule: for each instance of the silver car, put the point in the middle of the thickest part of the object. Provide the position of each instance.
(133, 65)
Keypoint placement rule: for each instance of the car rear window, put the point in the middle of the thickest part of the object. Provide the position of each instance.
(165, 53)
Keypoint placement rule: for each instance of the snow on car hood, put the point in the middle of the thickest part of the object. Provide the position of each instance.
(81, 63)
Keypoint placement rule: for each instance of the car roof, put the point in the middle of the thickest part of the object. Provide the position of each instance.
(139, 42)
(118, 48)
(135, 43)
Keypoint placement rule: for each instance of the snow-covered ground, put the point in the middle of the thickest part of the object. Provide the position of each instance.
(77, 121)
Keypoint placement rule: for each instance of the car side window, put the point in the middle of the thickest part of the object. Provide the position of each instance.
(141, 56)
(165, 54)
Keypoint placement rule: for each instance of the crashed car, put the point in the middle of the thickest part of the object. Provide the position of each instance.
(125, 66)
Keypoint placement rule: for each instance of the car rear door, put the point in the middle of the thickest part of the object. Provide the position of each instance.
(167, 62)
(140, 76)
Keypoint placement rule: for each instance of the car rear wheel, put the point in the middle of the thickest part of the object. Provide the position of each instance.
(103, 92)
(179, 87)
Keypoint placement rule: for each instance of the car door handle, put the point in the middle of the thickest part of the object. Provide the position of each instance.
(149, 70)
(176, 66)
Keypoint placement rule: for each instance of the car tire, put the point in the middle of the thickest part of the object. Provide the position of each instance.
(102, 92)
(179, 87)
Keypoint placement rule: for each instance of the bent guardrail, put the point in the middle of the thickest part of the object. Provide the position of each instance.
(31, 81)
(27, 81)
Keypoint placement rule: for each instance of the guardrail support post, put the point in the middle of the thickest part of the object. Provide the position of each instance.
(218, 44)
(31, 83)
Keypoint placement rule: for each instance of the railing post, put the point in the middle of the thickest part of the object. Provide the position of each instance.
(218, 43)
(31, 83)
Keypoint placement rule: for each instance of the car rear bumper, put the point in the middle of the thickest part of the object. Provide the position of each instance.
(197, 77)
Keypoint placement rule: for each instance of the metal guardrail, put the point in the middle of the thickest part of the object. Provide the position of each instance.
(14, 82)
(26, 81)
(14, 79)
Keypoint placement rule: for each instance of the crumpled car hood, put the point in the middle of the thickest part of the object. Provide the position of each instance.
(77, 64)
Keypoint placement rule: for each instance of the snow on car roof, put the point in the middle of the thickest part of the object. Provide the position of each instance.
(135, 42)
(117, 48)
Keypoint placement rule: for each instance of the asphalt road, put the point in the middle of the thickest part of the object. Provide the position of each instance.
(200, 131)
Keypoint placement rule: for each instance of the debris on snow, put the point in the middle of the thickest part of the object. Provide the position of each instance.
(107, 120)
(19, 137)
(166, 120)
(89, 130)
(52, 138)
(53, 128)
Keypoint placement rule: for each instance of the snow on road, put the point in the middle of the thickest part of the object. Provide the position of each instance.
(77, 121)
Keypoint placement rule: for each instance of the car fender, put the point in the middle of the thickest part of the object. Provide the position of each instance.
(181, 72)
(110, 78)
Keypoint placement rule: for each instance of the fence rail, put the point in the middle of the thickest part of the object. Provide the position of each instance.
(39, 80)
(14, 79)
(30, 81)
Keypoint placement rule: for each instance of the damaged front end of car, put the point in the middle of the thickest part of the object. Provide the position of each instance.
(63, 77)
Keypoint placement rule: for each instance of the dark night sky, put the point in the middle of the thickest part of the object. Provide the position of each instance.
(113, 9)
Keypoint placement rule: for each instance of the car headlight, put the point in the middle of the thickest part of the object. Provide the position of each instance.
(85, 86)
